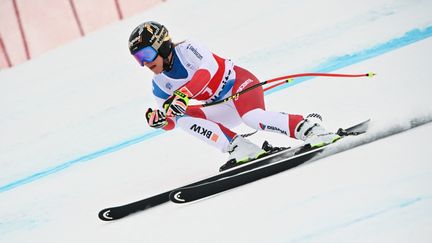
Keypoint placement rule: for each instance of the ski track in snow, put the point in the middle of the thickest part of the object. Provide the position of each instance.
(376, 132)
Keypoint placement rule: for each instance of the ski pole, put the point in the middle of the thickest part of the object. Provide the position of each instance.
(286, 79)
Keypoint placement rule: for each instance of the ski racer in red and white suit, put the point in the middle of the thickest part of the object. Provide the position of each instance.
(206, 77)
(188, 71)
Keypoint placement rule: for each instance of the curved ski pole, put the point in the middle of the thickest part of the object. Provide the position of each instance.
(285, 79)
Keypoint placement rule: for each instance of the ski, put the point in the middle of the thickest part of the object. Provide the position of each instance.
(118, 212)
(196, 192)
(114, 213)
(200, 191)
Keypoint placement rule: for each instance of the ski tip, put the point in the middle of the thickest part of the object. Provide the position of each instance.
(177, 197)
(105, 215)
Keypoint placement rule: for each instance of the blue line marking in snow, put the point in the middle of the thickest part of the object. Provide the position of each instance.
(331, 65)
(80, 159)
(349, 59)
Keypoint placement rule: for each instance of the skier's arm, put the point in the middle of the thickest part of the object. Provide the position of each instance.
(157, 118)
(207, 67)
(198, 83)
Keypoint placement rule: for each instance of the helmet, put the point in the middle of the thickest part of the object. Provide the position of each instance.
(151, 34)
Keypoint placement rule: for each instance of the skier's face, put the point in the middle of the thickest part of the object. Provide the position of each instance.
(155, 66)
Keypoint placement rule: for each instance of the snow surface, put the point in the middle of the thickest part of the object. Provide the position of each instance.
(73, 139)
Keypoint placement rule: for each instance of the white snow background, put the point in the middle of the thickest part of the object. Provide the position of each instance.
(73, 138)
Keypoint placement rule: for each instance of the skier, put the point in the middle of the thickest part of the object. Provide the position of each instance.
(188, 70)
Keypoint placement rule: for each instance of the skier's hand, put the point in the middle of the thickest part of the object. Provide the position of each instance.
(176, 104)
(156, 118)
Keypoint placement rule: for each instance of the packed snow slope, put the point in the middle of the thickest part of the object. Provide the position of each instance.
(73, 138)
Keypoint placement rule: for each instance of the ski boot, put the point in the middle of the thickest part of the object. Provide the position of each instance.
(313, 133)
(241, 151)
(266, 149)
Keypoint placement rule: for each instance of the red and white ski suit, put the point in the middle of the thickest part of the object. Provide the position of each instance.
(207, 77)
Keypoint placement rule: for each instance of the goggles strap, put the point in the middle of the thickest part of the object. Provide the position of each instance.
(168, 62)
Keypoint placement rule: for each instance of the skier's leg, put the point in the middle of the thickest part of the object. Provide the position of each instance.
(214, 134)
(197, 123)
(262, 120)
(251, 108)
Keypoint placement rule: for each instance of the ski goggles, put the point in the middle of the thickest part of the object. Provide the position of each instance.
(146, 54)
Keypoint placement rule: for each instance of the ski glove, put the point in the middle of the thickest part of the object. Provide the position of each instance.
(176, 104)
(156, 118)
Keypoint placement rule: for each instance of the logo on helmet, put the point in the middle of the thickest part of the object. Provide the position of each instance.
(135, 41)
(148, 27)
